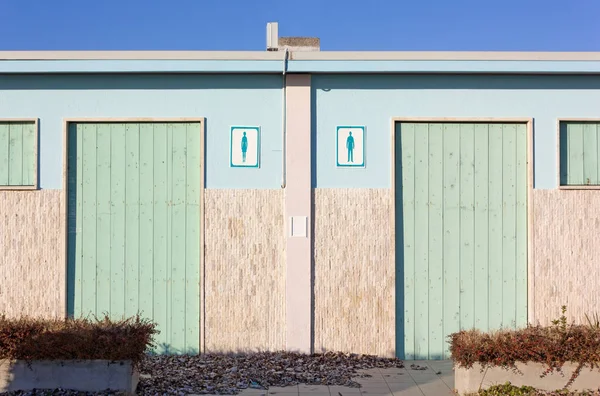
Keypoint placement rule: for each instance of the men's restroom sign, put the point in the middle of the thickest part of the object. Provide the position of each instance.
(350, 147)
(244, 147)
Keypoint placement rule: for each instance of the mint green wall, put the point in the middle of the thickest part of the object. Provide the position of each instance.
(223, 99)
(579, 153)
(17, 153)
(461, 224)
(373, 100)
(134, 226)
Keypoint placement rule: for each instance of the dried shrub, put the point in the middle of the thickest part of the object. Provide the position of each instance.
(550, 345)
(75, 339)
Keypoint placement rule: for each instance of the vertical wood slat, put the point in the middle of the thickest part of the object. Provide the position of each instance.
(437, 339)
(169, 238)
(407, 141)
(132, 219)
(89, 214)
(590, 154)
(160, 253)
(4, 153)
(481, 176)
(563, 154)
(467, 226)
(451, 272)
(575, 154)
(521, 226)
(146, 227)
(193, 189)
(15, 154)
(103, 219)
(29, 154)
(178, 219)
(495, 227)
(421, 231)
(509, 226)
(118, 188)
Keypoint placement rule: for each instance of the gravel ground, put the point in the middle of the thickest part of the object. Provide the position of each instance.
(229, 374)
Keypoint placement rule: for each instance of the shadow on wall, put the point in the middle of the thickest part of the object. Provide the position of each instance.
(139, 82)
(152, 81)
(71, 221)
(327, 82)
(313, 147)
(399, 250)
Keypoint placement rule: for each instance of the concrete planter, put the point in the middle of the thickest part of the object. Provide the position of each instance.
(85, 375)
(471, 380)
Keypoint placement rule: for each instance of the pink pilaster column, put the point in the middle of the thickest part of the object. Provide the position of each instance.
(298, 214)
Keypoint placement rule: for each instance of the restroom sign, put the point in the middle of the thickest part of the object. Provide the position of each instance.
(350, 147)
(244, 147)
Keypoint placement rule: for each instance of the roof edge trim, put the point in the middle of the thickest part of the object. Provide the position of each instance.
(301, 55)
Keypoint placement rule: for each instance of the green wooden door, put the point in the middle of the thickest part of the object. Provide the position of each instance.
(134, 225)
(461, 232)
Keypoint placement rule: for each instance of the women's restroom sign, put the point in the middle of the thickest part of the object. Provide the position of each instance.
(244, 147)
(350, 146)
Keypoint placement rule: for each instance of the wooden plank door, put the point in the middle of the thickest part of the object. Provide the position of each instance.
(134, 193)
(461, 220)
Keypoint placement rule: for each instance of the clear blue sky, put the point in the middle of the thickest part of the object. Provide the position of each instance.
(495, 25)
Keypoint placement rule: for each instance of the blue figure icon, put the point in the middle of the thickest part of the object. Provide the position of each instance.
(244, 147)
(350, 147)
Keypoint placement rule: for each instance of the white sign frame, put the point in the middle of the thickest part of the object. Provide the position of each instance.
(355, 128)
(234, 162)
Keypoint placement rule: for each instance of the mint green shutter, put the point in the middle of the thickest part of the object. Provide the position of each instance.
(18, 153)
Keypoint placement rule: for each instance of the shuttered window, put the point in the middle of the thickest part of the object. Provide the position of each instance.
(579, 148)
(18, 154)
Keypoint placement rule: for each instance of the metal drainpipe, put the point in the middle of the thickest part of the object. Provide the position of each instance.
(283, 122)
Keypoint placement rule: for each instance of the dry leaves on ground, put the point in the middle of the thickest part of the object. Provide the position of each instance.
(229, 374)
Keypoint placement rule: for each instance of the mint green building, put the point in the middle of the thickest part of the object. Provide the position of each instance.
(466, 198)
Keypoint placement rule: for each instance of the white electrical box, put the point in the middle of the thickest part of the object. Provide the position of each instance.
(298, 226)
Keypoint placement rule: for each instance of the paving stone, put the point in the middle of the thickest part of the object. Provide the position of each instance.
(402, 386)
(399, 378)
(314, 394)
(375, 389)
(302, 388)
(405, 387)
(377, 380)
(285, 389)
(414, 391)
(344, 391)
(437, 388)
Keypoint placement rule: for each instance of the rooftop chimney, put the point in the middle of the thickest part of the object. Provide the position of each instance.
(276, 43)
(272, 36)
